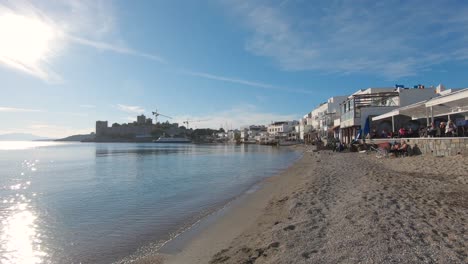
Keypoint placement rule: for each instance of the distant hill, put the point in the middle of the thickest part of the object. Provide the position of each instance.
(21, 137)
(77, 137)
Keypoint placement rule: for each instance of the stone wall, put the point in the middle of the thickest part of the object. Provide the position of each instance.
(435, 146)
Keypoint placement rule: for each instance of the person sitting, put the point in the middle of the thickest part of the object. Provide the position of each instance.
(423, 131)
(410, 133)
(451, 129)
(402, 132)
(384, 134)
(431, 130)
(403, 149)
(394, 148)
(442, 127)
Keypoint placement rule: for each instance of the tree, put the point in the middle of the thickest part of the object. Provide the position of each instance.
(221, 130)
(237, 137)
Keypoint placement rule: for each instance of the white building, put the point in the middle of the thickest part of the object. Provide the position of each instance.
(231, 134)
(282, 127)
(248, 134)
(323, 116)
(451, 104)
(365, 103)
(304, 126)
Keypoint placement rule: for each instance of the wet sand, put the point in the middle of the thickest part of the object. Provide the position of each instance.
(345, 208)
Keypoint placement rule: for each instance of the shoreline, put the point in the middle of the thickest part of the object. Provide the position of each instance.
(334, 207)
(209, 231)
(154, 253)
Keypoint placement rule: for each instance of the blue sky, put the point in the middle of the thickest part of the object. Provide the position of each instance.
(65, 64)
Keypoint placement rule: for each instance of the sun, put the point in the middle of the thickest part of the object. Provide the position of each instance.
(25, 42)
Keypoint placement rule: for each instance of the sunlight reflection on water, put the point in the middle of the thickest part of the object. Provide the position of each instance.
(19, 145)
(20, 240)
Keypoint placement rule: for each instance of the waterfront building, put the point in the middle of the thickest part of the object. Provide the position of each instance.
(141, 129)
(323, 117)
(281, 127)
(101, 127)
(248, 134)
(231, 134)
(262, 137)
(282, 130)
(141, 119)
(450, 105)
(366, 103)
(304, 126)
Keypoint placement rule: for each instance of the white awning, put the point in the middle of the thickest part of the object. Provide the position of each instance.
(455, 99)
(386, 115)
(409, 110)
(453, 103)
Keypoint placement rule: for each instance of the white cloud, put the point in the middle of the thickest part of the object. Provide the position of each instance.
(17, 110)
(235, 118)
(110, 47)
(131, 109)
(385, 38)
(244, 82)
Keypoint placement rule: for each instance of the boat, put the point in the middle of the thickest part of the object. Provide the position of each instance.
(288, 143)
(164, 139)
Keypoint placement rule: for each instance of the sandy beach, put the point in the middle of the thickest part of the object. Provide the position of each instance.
(344, 208)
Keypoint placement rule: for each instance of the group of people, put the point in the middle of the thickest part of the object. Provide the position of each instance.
(407, 133)
(399, 148)
(444, 129)
(448, 129)
(402, 133)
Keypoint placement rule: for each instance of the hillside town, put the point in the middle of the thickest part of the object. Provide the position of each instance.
(370, 113)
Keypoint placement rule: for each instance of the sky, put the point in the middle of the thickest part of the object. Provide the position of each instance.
(65, 64)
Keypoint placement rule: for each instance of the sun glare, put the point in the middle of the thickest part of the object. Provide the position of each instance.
(25, 42)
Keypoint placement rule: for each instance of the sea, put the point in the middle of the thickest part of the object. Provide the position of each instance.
(112, 202)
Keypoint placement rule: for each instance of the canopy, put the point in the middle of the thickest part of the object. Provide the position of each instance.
(453, 103)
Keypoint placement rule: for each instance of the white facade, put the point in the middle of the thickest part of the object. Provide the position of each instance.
(249, 133)
(357, 108)
(282, 127)
(304, 126)
(322, 117)
(231, 134)
(354, 115)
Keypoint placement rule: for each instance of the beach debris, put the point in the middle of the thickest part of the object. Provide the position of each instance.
(219, 257)
(274, 245)
(284, 199)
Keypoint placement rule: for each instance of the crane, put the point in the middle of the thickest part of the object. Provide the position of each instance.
(156, 114)
(188, 121)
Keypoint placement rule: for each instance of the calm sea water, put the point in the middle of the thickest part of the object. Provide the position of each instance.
(97, 203)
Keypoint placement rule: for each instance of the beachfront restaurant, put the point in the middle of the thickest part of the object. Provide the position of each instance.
(428, 116)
